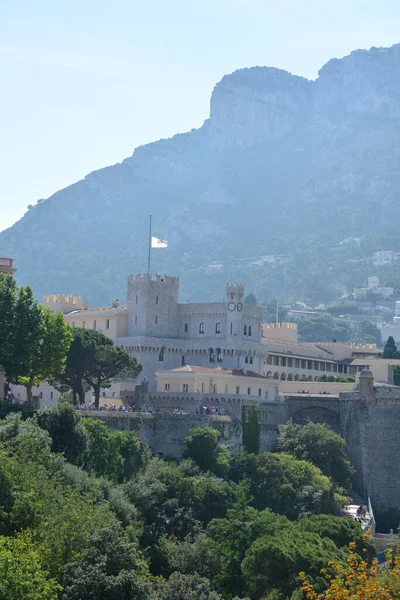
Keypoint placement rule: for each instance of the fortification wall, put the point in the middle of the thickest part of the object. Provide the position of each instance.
(372, 434)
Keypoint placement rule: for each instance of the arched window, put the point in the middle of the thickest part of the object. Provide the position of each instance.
(212, 355)
(201, 328)
(251, 360)
(156, 299)
(246, 359)
(219, 355)
(250, 330)
(183, 360)
(218, 328)
(245, 330)
(161, 355)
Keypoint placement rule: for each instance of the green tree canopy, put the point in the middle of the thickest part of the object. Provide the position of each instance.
(318, 444)
(67, 434)
(390, 349)
(202, 447)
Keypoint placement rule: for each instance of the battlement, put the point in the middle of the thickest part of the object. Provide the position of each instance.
(234, 291)
(157, 277)
(63, 302)
(280, 331)
(6, 266)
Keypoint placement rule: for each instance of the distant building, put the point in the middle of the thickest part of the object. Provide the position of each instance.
(383, 257)
(373, 282)
(193, 380)
(7, 266)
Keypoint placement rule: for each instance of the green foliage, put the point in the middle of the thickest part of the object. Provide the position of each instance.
(275, 562)
(111, 454)
(323, 329)
(250, 299)
(202, 447)
(287, 486)
(318, 444)
(390, 349)
(109, 568)
(35, 341)
(22, 576)
(251, 429)
(67, 434)
(186, 587)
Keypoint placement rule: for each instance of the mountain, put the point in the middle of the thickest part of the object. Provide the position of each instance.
(264, 192)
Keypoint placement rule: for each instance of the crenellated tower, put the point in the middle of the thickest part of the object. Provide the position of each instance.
(153, 305)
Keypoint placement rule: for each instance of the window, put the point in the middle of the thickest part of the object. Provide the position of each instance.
(246, 359)
(266, 395)
(156, 320)
(183, 360)
(167, 387)
(137, 299)
(156, 299)
(185, 388)
(213, 388)
(249, 391)
(201, 328)
(135, 319)
(84, 324)
(186, 327)
(212, 355)
(94, 324)
(251, 360)
(237, 389)
(40, 395)
(250, 330)
(202, 387)
(231, 328)
(161, 355)
(276, 361)
(259, 392)
(218, 328)
(245, 330)
(113, 394)
(51, 395)
(219, 355)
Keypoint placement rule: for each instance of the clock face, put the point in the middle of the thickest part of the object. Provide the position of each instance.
(231, 306)
(239, 306)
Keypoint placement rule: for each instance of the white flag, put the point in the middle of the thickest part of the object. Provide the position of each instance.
(156, 243)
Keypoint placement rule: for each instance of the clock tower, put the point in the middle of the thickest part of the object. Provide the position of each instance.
(234, 299)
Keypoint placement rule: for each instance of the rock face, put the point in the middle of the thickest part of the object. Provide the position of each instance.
(284, 167)
(257, 105)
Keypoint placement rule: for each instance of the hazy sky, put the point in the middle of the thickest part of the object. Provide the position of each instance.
(82, 83)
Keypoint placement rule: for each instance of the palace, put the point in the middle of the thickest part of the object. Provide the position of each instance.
(164, 334)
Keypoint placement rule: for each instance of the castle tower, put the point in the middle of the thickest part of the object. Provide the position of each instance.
(234, 299)
(62, 302)
(6, 266)
(153, 305)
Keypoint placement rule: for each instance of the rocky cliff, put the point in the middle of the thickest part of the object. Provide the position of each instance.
(263, 192)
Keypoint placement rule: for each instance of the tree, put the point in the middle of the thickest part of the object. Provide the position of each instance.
(358, 579)
(286, 485)
(67, 434)
(275, 562)
(50, 353)
(250, 299)
(318, 444)
(390, 349)
(202, 447)
(80, 358)
(22, 576)
(186, 587)
(109, 568)
(111, 454)
(20, 329)
(107, 362)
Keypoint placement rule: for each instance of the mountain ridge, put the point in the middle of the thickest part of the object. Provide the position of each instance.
(280, 158)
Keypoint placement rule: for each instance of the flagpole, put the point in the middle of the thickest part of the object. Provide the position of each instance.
(148, 260)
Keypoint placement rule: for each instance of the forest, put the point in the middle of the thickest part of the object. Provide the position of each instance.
(87, 512)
